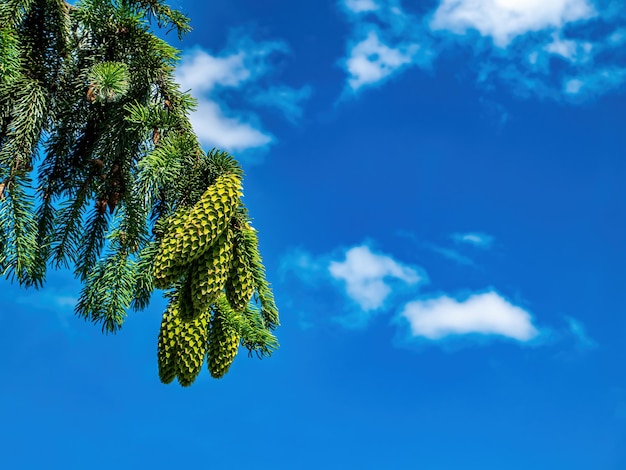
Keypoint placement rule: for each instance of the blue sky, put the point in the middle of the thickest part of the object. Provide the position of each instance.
(439, 190)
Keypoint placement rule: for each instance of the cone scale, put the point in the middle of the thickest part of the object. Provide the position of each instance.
(194, 232)
(223, 343)
(240, 283)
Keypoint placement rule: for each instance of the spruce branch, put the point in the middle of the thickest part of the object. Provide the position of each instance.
(108, 291)
(19, 232)
(88, 96)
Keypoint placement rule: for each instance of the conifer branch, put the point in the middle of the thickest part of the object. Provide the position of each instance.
(88, 95)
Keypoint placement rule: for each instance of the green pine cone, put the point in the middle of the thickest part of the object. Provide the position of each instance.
(167, 270)
(240, 283)
(186, 307)
(192, 233)
(210, 272)
(192, 347)
(168, 345)
(224, 339)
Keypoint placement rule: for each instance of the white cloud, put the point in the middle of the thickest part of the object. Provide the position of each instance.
(573, 86)
(202, 72)
(368, 276)
(562, 47)
(241, 66)
(371, 60)
(504, 20)
(361, 6)
(485, 314)
(481, 240)
(385, 41)
(572, 50)
(214, 128)
(526, 42)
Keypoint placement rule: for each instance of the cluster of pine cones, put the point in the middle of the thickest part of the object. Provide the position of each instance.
(207, 255)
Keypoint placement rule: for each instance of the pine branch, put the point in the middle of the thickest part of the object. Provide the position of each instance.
(20, 231)
(27, 121)
(68, 237)
(94, 88)
(254, 334)
(92, 243)
(108, 291)
(164, 15)
(265, 297)
(144, 280)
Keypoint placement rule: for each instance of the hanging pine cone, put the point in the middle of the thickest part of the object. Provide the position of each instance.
(194, 232)
(192, 347)
(240, 283)
(168, 344)
(166, 269)
(209, 273)
(224, 339)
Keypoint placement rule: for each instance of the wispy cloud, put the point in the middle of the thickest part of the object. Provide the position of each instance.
(478, 239)
(579, 333)
(452, 255)
(244, 65)
(65, 301)
(594, 83)
(566, 50)
(49, 299)
(368, 277)
(481, 314)
(504, 20)
(285, 99)
(303, 265)
(58, 302)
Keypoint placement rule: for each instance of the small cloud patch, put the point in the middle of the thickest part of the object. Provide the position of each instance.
(579, 332)
(483, 314)
(478, 239)
(372, 61)
(368, 276)
(285, 99)
(361, 6)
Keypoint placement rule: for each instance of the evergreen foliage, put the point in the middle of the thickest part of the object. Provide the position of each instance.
(123, 192)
